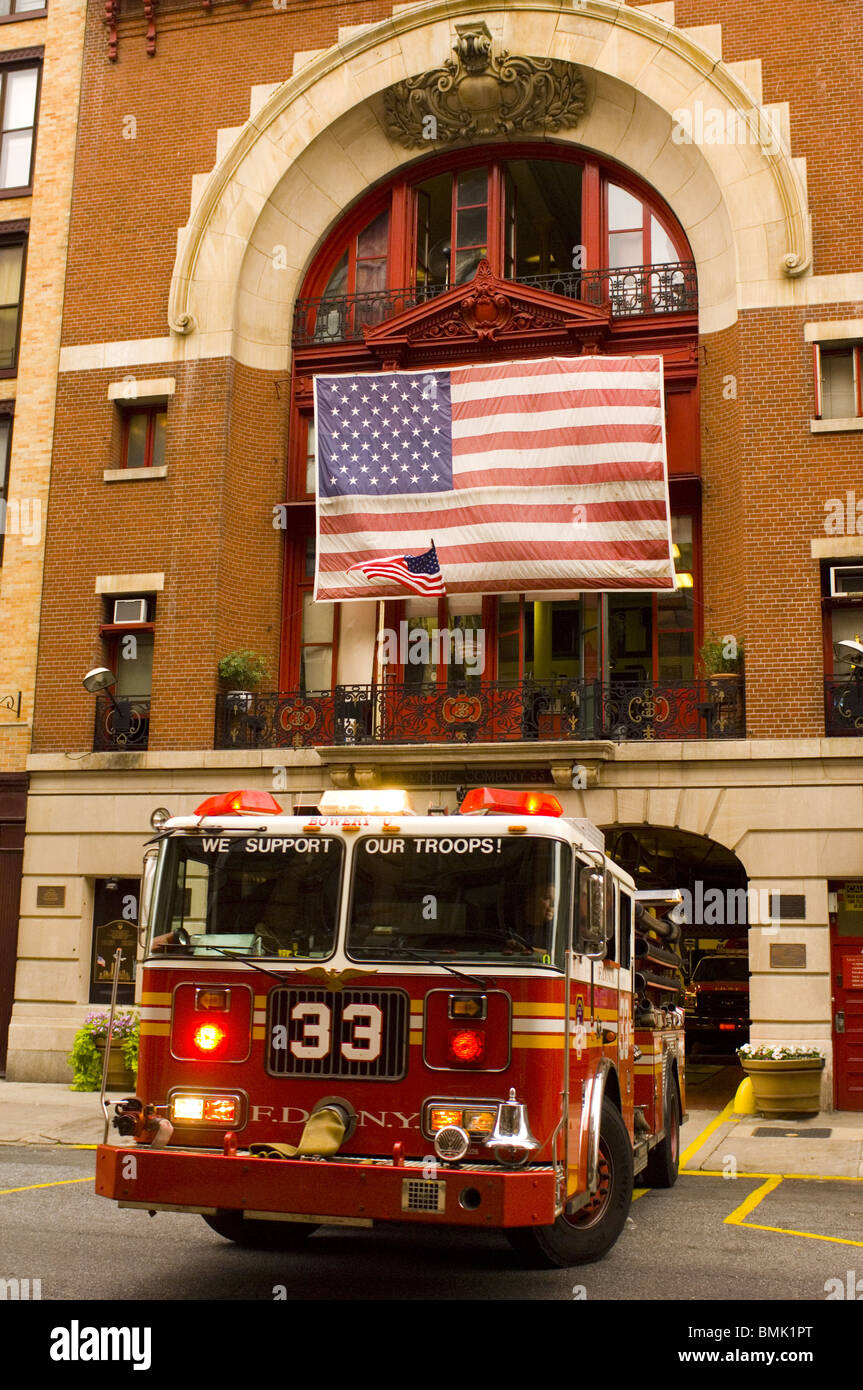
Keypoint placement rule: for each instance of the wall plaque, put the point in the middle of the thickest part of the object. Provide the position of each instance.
(854, 896)
(788, 956)
(50, 895)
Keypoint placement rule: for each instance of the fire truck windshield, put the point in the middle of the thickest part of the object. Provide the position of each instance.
(248, 895)
(483, 897)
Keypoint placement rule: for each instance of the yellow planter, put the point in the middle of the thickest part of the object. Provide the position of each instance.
(119, 1076)
(789, 1087)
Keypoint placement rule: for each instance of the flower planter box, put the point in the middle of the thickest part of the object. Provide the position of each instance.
(119, 1076)
(788, 1087)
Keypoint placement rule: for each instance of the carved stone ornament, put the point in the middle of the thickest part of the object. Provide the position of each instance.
(492, 314)
(482, 95)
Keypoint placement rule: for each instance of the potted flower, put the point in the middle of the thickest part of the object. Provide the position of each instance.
(242, 672)
(722, 656)
(88, 1052)
(722, 662)
(786, 1078)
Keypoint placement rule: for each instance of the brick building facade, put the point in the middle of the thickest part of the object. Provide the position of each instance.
(41, 48)
(224, 192)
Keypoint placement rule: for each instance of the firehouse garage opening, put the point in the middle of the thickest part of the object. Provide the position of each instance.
(714, 934)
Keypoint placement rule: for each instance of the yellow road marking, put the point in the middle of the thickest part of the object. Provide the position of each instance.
(738, 1216)
(789, 1177)
(740, 1213)
(806, 1235)
(639, 1192)
(705, 1134)
(61, 1182)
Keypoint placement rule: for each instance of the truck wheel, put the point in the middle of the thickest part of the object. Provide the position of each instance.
(663, 1161)
(260, 1235)
(590, 1232)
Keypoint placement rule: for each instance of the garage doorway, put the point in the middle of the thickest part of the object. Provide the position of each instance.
(714, 939)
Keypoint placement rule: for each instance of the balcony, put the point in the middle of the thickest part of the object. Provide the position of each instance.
(496, 712)
(121, 725)
(843, 706)
(631, 291)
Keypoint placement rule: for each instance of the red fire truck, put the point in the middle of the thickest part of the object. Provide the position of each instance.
(365, 1015)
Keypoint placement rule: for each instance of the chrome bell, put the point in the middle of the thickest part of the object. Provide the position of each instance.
(511, 1141)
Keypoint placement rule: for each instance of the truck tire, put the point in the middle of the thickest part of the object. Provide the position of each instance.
(663, 1162)
(590, 1232)
(260, 1235)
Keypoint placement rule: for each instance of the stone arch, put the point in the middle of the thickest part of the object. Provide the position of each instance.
(317, 142)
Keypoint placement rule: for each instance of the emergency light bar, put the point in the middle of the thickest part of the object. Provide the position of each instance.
(242, 803)
(485, 801)
(390, 801)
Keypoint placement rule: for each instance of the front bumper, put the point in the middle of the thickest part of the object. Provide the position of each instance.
(321, 1190)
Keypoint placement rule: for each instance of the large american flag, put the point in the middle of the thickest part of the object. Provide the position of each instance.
(540, 475)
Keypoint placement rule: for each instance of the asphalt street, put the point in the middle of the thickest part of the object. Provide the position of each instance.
(691, 1241)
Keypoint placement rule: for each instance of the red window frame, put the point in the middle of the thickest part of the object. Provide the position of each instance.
(399, 196)
(152, 413)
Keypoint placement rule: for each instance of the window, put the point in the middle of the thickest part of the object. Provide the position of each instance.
(838, 381)
(318, 632)
(123, 714)
(18, 99)
(530, 216)
(21, 7)
(5, 440)
(144, 437)
(11, 286)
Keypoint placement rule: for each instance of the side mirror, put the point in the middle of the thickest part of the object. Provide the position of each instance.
(596, 906)
(590, 936)
(148, 878)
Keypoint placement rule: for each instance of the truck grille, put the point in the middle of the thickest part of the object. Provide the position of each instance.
(382, 1032)
(421, 1195)
(719, 1005)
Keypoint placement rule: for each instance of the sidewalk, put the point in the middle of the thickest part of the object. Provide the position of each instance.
(37, 1112)
(826, 1145)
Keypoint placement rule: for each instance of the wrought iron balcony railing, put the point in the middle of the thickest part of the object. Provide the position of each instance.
(121, 725)
(494, 712)
(843, 706)
(630, 290)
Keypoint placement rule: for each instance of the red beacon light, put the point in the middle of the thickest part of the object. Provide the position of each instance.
(242, 803)
(484, 801)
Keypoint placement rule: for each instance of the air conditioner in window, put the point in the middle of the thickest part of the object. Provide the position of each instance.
(130, 610)
(846, 581)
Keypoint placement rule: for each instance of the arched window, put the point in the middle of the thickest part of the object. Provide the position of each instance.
(562, 221)
(529, 216)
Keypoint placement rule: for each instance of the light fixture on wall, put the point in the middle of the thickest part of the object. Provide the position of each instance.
(99, 681)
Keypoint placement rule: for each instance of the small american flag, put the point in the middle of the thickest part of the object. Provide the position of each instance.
(421, 573)
(544, 475)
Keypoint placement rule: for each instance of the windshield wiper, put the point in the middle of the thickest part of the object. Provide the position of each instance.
(444, 965)
(234, 955)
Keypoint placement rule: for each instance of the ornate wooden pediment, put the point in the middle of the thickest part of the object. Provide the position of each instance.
(489, 315)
